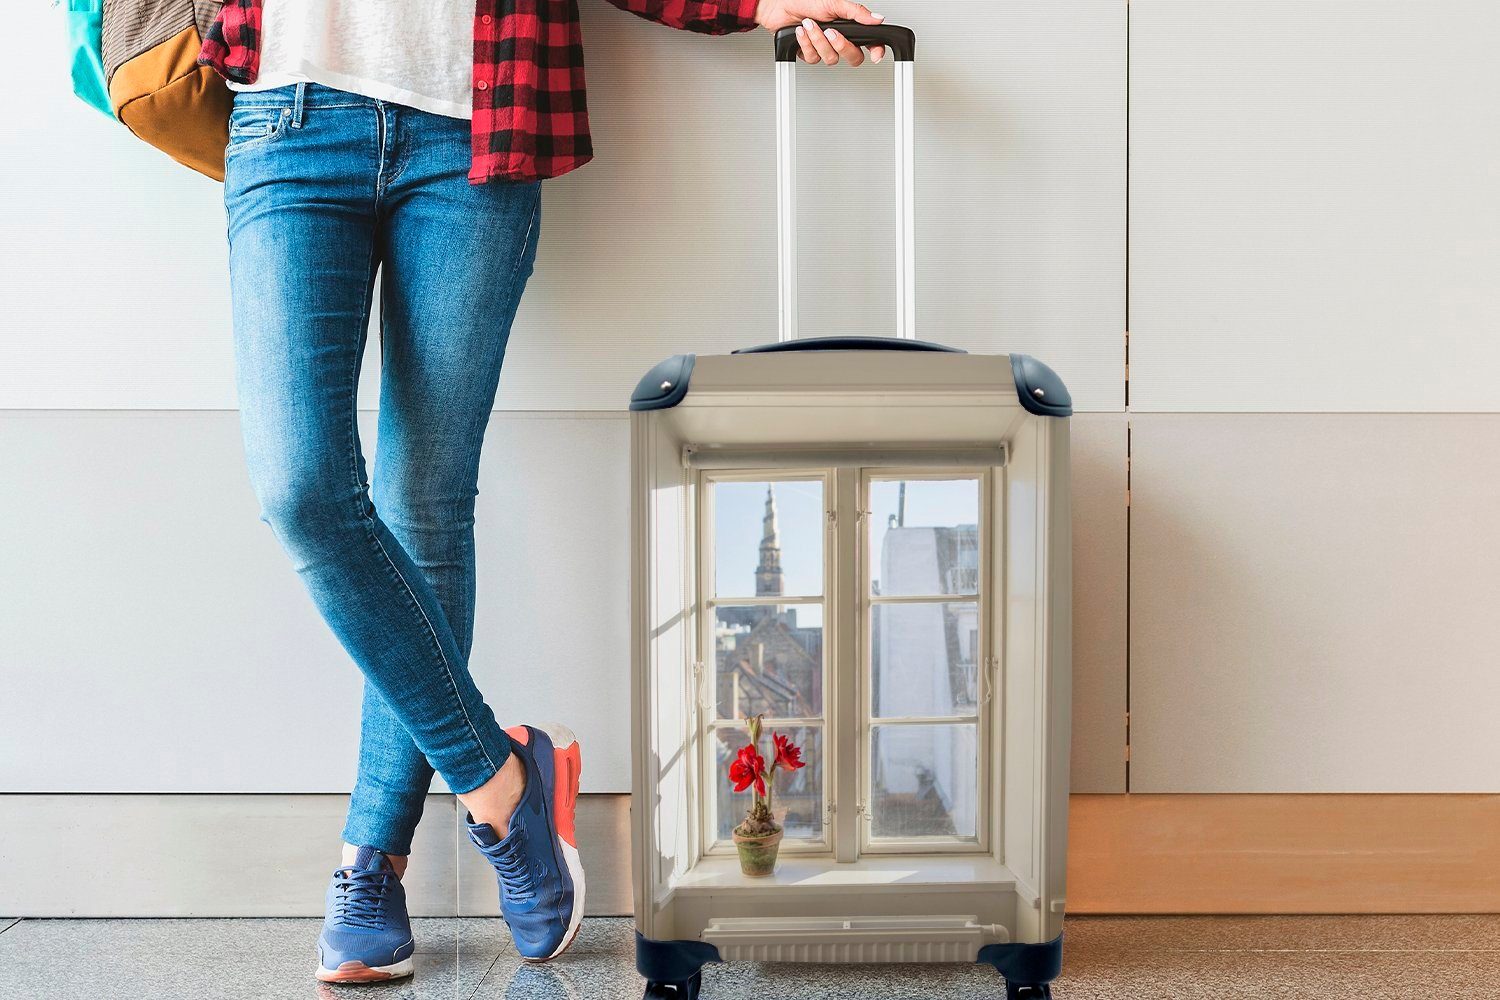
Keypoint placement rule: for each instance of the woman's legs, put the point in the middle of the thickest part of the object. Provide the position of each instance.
(306, 193)
(455, 260)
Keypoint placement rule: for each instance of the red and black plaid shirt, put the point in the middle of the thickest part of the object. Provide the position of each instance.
(530, 117)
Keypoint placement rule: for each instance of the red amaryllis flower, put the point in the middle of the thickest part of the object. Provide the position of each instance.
(788, 754)
(749, 768)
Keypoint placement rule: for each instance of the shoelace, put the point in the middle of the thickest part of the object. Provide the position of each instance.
(360, 895)
(515, 874)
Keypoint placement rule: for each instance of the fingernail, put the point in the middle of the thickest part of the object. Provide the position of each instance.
(878, 17)
(801, 31)
(807, 23)
(830, 34)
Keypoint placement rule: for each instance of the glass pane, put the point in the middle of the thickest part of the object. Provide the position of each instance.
(924, 781)
(924, 537)
(797, 796)
(768, 660)
(768, 538)
(925, 659)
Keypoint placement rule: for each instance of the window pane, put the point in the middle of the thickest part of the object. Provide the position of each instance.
(924, 781)
(924, 537)
(925, 659)
(797, 799)
(768, 538)
(768, 660)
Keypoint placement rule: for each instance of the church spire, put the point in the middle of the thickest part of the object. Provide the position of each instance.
(768, 573)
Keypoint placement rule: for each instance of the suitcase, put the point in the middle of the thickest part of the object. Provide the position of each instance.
(865, 542)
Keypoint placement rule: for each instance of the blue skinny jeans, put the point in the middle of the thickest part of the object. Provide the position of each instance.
(323, 187)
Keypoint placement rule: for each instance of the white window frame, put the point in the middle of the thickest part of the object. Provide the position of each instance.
(706, 667)
(846, 721)
(987, 667)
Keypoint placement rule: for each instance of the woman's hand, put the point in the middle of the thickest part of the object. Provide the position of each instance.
(827, 47)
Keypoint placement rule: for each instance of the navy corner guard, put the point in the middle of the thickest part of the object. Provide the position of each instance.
(664, 386)
(1039, 388)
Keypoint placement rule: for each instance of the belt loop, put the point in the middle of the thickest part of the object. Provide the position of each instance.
(297, 104)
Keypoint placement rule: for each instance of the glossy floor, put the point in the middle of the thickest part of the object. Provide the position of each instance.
(1127, 958)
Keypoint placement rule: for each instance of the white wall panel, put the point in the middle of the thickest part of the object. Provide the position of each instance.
(153, 637)
(1314, 208)
(166, 857)
(1100, 574)
(112, 258)
(1313, 603)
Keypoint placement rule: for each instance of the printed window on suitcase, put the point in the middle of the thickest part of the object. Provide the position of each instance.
(913, 753)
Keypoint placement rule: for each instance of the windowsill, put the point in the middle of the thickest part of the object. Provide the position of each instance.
(910, 871)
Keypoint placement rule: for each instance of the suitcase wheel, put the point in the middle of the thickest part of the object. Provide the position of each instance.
(1018, 991)
(684, 990)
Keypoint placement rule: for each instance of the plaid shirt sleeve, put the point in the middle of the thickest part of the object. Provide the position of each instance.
(709, 18)
(530, 110)
(232, 48)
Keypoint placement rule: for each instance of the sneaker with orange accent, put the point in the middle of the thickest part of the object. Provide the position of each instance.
(541, 878)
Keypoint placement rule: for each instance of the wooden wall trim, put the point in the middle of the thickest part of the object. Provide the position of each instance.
(1284, 854)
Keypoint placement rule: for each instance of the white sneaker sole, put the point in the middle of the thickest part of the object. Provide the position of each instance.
(359, 972)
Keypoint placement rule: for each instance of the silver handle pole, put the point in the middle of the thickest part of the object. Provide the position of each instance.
(906, 258)
(786, 201)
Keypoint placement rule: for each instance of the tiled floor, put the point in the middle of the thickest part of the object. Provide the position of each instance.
(1129, 958)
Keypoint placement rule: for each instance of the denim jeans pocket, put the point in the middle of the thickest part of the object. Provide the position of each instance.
(255, 126)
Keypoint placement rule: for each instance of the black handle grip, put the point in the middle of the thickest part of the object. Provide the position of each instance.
(849, 344)
(899, 42)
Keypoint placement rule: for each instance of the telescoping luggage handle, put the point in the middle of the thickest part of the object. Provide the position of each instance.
(900, 42)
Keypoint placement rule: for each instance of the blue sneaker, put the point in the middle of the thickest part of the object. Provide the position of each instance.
(366, 933)
(541, 878)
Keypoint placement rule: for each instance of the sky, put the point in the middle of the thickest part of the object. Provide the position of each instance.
(739, 507)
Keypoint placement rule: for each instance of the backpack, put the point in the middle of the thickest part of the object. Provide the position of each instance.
(136, 60)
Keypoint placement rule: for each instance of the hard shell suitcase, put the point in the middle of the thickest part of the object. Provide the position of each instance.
(929, 673)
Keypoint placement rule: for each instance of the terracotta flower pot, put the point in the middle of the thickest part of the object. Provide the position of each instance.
(757, 854)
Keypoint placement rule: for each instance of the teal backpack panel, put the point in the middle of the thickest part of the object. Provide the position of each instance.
(85, 40)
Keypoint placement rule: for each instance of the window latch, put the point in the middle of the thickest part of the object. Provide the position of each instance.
(700, 687)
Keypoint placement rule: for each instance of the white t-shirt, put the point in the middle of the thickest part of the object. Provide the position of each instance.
(419, 53)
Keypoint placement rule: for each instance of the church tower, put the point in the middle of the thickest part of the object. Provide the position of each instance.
(768, 573)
